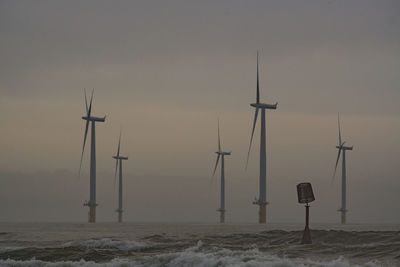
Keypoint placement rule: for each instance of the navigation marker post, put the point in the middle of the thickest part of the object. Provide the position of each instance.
(305, 195)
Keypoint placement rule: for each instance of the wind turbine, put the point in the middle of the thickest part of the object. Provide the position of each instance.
(342, 147)
(89, 118)
(262, 200)
(221, 155)
(119, 159)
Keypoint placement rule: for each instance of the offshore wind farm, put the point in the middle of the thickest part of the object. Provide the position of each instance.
(209, 181)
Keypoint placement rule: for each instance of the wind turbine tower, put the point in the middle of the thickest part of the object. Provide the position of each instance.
(119, 160)
(342, 147)
(89, 118)
(262, 200)
(221, 155)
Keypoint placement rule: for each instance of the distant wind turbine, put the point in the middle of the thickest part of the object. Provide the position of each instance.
(341, 147)
(89, 118)
(119, 159)
(221, 154)
(262, 200)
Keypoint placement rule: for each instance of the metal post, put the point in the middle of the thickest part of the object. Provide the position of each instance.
(306, 234)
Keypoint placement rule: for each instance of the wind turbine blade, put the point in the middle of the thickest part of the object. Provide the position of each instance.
(258, 83)
(83, 147)
(119, 144)
(219, 140)
(115, 175)
(337, 161)
(116, 163)
(87, 109)
(252, 134)
(340, 136)
(216, 164)
(90, 105)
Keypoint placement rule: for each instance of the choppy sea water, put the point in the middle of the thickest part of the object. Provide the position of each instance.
(151, 244)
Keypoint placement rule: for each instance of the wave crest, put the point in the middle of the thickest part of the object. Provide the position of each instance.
(108, 243)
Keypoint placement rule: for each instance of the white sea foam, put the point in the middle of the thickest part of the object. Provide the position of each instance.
(198, 256)
(230, 245)
(194, 256)
(108, 243)
(81, 263)
(7, 249)
(195, 259)
(366, 245)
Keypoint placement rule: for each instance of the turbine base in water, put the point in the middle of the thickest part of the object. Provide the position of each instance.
(222, 217)
(92, 214)
(120, 216)
(262, 213)
(343, 217)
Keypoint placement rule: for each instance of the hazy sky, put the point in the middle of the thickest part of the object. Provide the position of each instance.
(164, 71)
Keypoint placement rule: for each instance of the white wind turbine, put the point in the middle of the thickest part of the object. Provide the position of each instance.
(342, 147)
(262, 200)
(221, 155)
(119, 160)
(89, 118)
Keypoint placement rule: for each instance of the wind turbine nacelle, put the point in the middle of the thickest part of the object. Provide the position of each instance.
(94, 118)
(120, 157)
(259, 202)
(90, 204)
(223, 153)
(344, 147)
(264, 106)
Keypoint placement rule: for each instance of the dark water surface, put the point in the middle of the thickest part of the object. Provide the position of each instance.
(134, 244)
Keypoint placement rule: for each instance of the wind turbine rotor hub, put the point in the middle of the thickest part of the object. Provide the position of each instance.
(264, 106)
(94, 118)
(223, 153)
(120, 157)
(345, 147)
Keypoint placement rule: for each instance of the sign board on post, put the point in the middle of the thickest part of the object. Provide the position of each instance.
(305, 195)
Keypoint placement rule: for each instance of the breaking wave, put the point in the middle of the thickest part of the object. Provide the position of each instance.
(108, 243)
(195, 257)
(267, 248)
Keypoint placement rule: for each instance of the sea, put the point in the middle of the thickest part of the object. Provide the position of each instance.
(197, 244)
